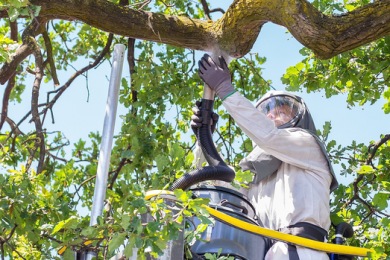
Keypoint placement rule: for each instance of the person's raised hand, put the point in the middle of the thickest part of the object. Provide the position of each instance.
(217, 77)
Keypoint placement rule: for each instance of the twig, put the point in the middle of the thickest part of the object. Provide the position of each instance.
(49, 49)
(84, 182)
(374, 148)
(115, 173)
(62, 89)
(207, 10)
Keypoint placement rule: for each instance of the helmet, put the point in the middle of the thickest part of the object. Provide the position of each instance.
(286, 110)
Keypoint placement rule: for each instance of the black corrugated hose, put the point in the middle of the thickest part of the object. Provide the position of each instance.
(217, 169)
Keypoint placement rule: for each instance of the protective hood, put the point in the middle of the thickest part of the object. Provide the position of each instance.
(301, 118)
(263, 164)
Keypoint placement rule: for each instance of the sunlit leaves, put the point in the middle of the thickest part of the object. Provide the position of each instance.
(116, 241)
(89, 41)
(362, 73)
(365, 169)
(364, 202)
(243, 178)
(16, 8)
(7, 45)
(154, 145)
(248, 77)
(181, 7)
(68, 223)
(332, 7)
(380, 200)
(386, 95)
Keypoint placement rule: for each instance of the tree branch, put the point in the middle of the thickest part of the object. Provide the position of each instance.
(235, 33)
(328, 36)
(7, 93)
(29, 40)
(22, 52)
(131, 62)
(49, 49)
(14, 127)
(62, 89)
(238, 29)
(11, 233)
(374, 148)
(116, 172)
(207, 10)
(5, 240)
(12, 80)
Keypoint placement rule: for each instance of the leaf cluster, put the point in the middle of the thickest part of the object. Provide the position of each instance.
(42, 212)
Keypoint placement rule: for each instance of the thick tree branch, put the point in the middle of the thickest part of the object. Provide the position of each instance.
(328, 36)
(239, 27)
(102, 14)
(235, 33)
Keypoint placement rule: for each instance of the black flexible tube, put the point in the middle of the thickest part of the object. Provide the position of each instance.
(218, 170)
(345, 230)
(204, 135)
(203, 174)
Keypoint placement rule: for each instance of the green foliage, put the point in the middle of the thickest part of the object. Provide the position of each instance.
(16, 8)
(41, 213)
(363, 74)
(364, 201)
(8, 46)
(218, 256)
(335, 7)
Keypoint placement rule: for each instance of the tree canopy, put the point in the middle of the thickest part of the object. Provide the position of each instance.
(47, 183)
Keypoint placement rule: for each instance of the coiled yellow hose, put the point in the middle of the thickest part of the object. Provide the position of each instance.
(299, 241)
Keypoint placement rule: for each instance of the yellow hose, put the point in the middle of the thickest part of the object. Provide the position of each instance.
(299, 241)
(153, 193)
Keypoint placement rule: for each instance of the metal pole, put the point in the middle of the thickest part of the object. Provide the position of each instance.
(107, 136)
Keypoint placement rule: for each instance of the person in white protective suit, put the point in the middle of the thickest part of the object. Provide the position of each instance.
(293, 175)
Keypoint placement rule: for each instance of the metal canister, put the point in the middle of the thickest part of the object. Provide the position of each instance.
(225, 239)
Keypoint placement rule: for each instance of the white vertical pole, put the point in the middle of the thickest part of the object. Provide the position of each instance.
(107, 137)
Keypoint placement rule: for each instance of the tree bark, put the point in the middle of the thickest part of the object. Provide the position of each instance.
(238, 29)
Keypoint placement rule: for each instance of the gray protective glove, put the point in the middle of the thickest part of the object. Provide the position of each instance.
(216, 77)
(196, 118)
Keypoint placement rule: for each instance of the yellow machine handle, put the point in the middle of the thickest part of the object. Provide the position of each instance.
(299, 241)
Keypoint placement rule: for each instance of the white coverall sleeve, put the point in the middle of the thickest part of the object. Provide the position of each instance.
(292, 146)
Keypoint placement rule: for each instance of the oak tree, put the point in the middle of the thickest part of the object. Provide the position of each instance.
(47, 182)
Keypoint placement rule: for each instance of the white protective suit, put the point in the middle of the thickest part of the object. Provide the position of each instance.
(299, 190)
